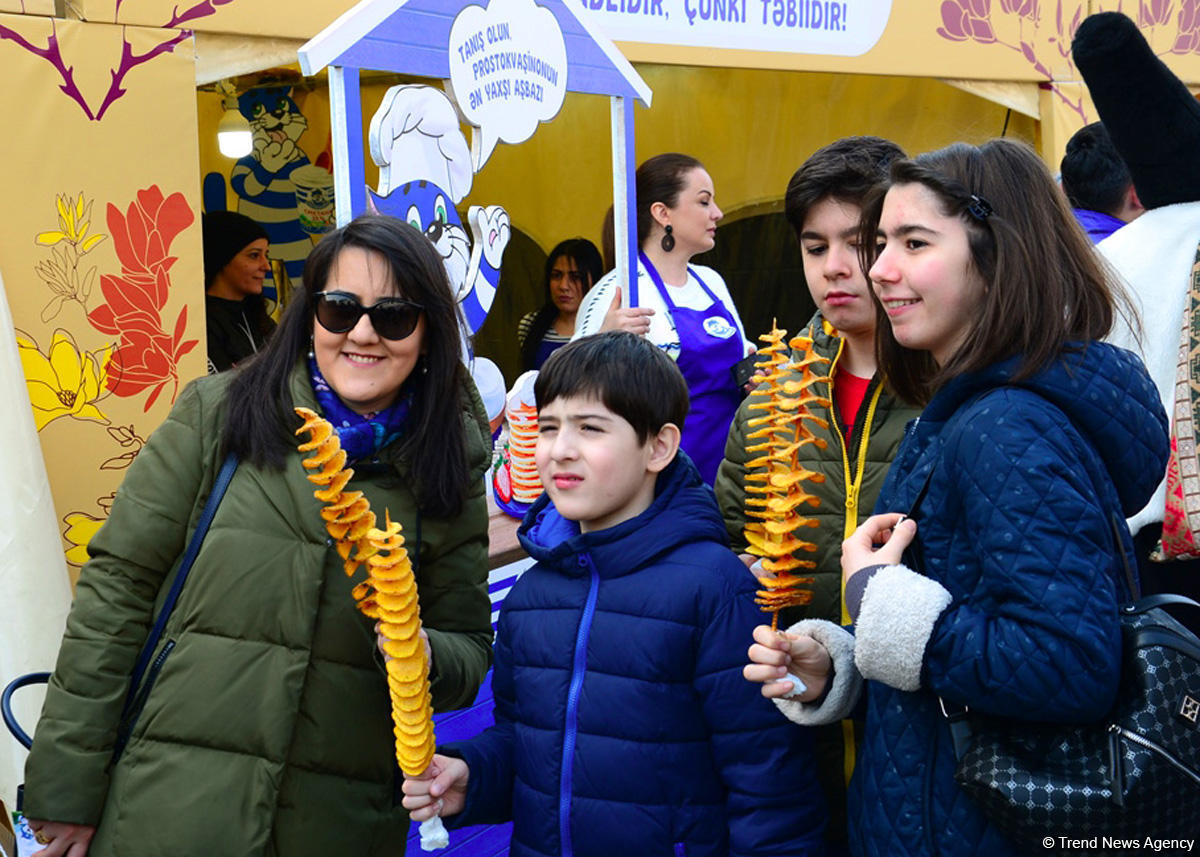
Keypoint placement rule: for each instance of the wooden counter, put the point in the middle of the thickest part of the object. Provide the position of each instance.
(503, 546)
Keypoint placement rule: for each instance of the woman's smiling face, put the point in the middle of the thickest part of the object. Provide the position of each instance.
(924, 275)
(364, 369)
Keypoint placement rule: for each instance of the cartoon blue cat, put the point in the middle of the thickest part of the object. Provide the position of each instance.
(262, 180)
(472, 274)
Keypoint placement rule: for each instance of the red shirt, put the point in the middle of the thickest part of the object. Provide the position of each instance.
(848, 394)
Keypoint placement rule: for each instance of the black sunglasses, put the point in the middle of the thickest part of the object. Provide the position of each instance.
(392, 318)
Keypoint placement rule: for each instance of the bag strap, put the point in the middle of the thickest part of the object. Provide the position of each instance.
(1135, 591)
(1163, 599)
(189, 556)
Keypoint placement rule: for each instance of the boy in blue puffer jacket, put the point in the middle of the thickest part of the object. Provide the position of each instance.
(623, 724)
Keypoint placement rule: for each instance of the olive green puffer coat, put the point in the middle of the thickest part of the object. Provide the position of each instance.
(268, 729)
(854, 474)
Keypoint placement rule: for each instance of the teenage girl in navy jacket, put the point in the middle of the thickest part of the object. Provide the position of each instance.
(1035, 438)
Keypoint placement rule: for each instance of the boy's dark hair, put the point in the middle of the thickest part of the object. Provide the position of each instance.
(1094, 176)
(631, 377)
(845, 170)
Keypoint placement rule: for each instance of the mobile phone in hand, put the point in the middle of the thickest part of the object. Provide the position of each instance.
(744, 370)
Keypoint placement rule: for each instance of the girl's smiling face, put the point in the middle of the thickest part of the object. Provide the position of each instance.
(924, 275)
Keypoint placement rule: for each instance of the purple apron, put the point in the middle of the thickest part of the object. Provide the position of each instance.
(709, 345)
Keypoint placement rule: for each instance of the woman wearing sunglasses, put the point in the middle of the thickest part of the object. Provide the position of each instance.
(266, 728)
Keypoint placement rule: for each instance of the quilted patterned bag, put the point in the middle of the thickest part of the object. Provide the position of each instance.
(1137, 771)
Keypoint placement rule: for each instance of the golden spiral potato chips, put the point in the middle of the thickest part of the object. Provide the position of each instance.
(388, 595)
(774, 476)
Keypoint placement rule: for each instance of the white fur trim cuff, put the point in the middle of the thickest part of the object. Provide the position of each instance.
(847, 683)
(899, 609)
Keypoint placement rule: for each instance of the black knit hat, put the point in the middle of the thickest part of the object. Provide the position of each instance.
(226, 233)
(1152, 118)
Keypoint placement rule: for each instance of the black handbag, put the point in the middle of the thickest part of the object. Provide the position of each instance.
(1134, 773)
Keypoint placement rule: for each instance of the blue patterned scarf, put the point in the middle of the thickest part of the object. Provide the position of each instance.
(361, 437)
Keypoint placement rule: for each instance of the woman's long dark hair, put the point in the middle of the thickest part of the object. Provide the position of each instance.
(260, 422)
(587, 261)
(1044, 284)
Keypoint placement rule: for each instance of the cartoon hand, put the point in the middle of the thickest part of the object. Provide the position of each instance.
(490, 230)
(274, 156)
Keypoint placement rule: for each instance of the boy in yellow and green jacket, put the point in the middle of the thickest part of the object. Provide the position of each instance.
(865, 422)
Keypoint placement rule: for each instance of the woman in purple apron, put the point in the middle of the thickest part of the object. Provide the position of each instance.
(684, 309)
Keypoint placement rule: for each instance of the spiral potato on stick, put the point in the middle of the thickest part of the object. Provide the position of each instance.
(775, 494)
(389, 595)
(347, 514)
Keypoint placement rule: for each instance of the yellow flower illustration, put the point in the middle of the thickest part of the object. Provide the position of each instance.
(68, 245)
(74, 218)
(64, 382)
(80, 529)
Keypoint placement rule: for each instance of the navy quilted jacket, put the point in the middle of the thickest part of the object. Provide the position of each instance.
(1017, 527)
(623, 724)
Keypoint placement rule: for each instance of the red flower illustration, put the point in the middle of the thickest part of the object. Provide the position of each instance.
(967, 19)
(146, 356)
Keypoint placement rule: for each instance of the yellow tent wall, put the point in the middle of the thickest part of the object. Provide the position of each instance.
(752, 128)
(105, 205)
(751, 116)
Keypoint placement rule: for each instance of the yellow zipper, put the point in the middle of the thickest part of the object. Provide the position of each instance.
(853, 486)
(853, 481)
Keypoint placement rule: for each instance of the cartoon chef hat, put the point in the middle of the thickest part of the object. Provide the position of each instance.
(415, 135)
(1152, 118)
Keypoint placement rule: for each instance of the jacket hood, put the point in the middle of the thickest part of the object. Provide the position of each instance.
(1107, 394)
(684, 510)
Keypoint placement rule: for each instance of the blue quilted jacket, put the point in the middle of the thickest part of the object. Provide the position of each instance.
(1017, 526)
(623, 724)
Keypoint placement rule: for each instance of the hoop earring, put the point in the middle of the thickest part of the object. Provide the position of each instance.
(668, 240)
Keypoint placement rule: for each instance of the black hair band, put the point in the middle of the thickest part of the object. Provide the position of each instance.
(979, 208)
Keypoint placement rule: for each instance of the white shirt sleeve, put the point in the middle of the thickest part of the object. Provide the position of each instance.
(594, 306)
(662, 332)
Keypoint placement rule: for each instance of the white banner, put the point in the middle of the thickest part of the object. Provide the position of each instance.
(832, 27)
